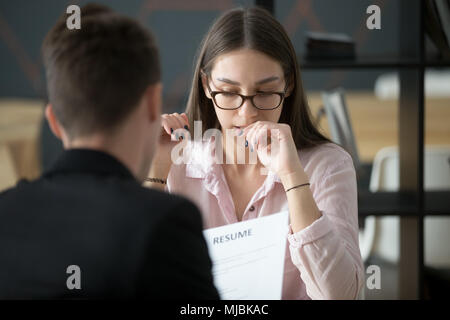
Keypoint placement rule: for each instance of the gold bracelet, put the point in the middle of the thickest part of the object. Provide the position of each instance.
(157, 180)
(300, 185)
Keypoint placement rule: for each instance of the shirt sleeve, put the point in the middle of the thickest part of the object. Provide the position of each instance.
(327, 252)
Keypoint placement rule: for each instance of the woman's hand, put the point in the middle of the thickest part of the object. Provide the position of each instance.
(173, 129)
(275, 146)
(170, 123)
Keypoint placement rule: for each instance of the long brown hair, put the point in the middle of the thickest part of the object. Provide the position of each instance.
(253, 28)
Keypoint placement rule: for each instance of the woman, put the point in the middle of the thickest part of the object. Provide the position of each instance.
(247, 81)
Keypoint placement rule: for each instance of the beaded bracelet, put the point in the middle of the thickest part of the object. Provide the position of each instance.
(300, 185)
(162, 181)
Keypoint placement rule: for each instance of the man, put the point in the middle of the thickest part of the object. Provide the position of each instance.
(87, 228)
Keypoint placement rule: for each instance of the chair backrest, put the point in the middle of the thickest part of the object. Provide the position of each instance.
(339, 122)
(385, 170)
(8, 175)
(385, 177)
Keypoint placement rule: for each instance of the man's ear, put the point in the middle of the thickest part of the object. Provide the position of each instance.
(205, 85)
(154, 101)
(53, 123)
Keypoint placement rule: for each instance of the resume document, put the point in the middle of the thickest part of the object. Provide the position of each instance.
(248, 257)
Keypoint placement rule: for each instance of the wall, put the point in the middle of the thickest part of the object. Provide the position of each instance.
(179, 26)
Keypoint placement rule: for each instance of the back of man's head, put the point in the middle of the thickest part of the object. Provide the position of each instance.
(97, 75)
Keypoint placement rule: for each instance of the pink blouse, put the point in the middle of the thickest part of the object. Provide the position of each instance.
(323, 261)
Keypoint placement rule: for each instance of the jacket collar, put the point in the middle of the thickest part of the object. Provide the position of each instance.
(89, 161)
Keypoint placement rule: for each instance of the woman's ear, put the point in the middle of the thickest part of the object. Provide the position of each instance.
(290, 88)
(204, 79)
(289, 91)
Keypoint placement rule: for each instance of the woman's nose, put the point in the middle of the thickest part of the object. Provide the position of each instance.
(247, 109)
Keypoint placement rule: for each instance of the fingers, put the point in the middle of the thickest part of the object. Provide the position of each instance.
(166, 123)
(172, 122)
(250, 137)
(178, 120)
(185, 118)
(258, 135)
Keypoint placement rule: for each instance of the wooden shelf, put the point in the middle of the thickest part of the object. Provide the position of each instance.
(436, 203)
(361, 62)
(387, 204)
(436, 62)
(372, 62)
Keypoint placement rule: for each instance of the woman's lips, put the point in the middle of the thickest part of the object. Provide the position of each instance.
(240, 130)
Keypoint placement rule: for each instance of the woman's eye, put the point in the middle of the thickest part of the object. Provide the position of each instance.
(268, 91)
(228, 94)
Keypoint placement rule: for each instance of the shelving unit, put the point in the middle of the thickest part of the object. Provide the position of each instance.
(411, 203)
(368, 62)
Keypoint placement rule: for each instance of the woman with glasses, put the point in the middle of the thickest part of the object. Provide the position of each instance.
(247, 82)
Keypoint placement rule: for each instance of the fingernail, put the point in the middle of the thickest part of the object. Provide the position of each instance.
(240, 133)
(246, 143)
(171, 130)
(186, 127)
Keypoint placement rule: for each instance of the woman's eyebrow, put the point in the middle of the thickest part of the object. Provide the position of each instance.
(229, 81)
(269, 79)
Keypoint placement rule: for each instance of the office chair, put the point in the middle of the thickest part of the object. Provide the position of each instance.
(339, 122)
(385, 177)
(335, 109)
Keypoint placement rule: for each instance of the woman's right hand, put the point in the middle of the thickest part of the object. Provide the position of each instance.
(170, 136)
(169, 124)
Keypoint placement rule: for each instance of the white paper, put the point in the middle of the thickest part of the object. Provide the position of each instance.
(248, 257)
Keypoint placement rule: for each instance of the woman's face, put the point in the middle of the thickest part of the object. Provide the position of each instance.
(247, 72)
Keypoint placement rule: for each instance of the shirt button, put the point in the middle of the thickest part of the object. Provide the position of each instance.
(252, 208)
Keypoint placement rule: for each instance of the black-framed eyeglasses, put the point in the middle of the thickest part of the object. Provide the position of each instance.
(232, 101)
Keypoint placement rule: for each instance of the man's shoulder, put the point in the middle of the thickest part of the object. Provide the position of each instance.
(95, 195)
(164, 211)
(19, 187)
(150, 197)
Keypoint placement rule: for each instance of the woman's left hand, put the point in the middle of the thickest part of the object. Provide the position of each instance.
(274, 146)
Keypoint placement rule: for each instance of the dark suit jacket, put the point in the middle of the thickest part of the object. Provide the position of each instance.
(89, 211)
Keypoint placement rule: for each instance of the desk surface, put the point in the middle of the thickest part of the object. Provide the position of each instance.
(20, 121)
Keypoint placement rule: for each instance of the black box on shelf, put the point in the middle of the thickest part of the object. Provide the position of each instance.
(329, 46)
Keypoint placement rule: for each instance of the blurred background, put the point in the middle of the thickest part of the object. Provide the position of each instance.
(389, 106)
